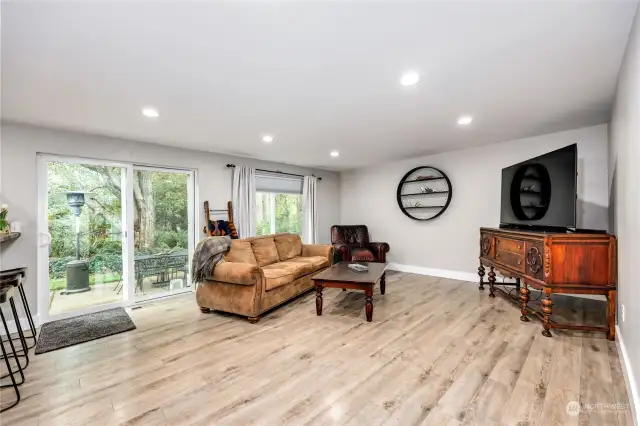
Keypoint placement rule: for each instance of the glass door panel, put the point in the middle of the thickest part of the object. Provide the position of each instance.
(85, 210)
(161, 225)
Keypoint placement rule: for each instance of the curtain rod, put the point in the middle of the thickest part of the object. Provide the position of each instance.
(275, 171)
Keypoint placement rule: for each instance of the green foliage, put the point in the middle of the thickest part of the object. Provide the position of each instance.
(287, 215)
(101, 224)
(171, 240)
(103, 263)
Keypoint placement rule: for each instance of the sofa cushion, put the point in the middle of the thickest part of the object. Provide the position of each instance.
(296, 269)
(288, 245)
(240, 252)
(316, 262)
(265, 251)
(275, 277)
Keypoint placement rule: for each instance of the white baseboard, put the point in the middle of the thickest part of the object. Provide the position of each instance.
(443, 273)
(629, 377)
(24, 323)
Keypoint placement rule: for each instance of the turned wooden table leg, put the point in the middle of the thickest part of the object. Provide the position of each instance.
(368, 298)
(383, 284)
(481, 273)
(547, 307)
(492, 281)
(319, 299)
(524, 301)
(611, 314)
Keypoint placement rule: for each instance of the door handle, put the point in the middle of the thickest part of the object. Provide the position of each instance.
(46, 241)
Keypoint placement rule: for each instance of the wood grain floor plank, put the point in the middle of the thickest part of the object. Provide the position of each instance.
(438, 352)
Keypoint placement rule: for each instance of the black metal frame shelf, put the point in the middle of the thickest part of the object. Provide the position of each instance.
(423, 179)
(431, 174)
(424, 193)
(425, 207)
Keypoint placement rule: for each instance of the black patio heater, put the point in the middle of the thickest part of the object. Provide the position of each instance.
(77, 270)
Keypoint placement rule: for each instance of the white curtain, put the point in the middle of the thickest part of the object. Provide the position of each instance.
(244, 201)
(309, 210)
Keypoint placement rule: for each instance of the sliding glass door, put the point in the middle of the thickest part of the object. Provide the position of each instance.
(111, 234)
(84, 215)
(162, 230)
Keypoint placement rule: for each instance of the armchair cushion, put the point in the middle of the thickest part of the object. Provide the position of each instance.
(361, 254)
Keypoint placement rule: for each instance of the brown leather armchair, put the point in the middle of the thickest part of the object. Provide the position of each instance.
(352, 244)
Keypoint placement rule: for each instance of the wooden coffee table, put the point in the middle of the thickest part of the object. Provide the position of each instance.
(340, 276)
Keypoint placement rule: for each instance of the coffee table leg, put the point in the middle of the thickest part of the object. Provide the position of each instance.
(368, 298)
(319, 299)
(383, 283)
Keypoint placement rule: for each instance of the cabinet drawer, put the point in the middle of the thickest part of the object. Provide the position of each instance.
(513, 246)
(508, 258)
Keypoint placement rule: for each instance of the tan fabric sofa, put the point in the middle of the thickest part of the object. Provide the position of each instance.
(262, 272)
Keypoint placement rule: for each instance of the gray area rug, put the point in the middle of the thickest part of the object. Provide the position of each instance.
(71, 331)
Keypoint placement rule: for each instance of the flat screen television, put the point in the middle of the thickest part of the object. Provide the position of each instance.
(541, 193)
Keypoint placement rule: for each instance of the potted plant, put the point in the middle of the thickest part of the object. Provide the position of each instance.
(4, 225)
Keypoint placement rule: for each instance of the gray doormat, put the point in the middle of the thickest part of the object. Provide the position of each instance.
(71, 331)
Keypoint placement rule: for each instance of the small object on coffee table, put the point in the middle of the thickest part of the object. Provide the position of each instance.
(358, 267)
(341, 276)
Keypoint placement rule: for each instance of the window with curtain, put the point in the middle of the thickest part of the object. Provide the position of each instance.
(278, 204)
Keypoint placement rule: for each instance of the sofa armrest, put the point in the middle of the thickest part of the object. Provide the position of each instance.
(325, 250)
(237, 273)
(380, 250)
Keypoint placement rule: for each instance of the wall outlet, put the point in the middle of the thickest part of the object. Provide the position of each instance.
(622, 313)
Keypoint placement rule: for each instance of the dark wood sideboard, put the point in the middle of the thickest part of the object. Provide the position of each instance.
(570, 263)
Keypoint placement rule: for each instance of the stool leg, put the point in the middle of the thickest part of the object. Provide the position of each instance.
(13, 349)
(13, 379)
(27, 309)
(23, 341)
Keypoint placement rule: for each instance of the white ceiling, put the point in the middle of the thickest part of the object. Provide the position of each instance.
(318, 75)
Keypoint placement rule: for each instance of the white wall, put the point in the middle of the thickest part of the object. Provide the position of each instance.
(18, 173)
(624, 178)
(450, 242)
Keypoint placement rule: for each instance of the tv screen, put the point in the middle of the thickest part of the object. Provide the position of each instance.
(541, 192)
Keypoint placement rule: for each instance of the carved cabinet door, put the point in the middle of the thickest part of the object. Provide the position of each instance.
(534, 259)
(486, 243)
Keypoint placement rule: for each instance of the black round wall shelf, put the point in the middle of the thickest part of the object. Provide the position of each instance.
(424, 193)
(530, 192)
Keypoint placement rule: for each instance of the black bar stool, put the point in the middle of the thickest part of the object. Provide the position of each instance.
(21, 273)
(7, 286)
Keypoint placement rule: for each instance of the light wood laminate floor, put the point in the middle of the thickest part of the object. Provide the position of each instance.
(438, 352)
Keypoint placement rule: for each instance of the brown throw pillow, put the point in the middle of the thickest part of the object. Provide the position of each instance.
(265, 251)
(241, 252)
(288, 245)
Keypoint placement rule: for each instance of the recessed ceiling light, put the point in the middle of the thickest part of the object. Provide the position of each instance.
(409, 78)
(465, 120)
(334, 153)
(267, 139)
(150, 112)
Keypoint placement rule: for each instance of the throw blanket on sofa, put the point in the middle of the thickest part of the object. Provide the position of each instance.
(207, 255)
